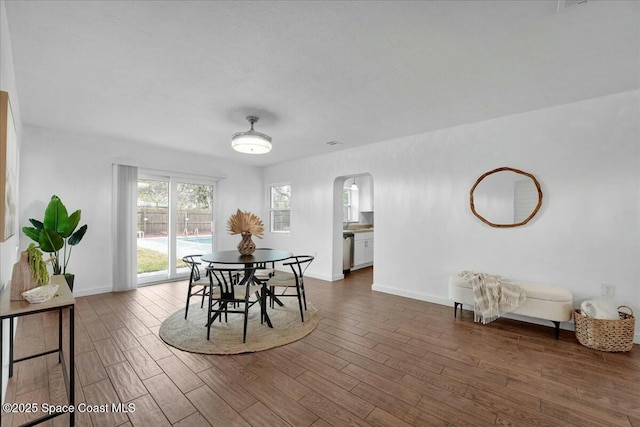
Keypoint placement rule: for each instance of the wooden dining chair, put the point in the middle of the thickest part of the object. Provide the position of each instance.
(196, 287)
(233, 291)
(284, 284)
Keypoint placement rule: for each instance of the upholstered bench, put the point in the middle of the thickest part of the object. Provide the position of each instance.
(547, 302)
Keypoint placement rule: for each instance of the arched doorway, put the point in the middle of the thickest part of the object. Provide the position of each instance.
(353, 223)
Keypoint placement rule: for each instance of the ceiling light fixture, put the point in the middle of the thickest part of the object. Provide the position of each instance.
(251, 142)
(354, 186)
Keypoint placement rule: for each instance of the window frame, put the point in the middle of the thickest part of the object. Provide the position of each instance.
(273, 210)
(350, 208)
(173, 179)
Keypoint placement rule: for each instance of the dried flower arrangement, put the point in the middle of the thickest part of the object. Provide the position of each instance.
(245, 223)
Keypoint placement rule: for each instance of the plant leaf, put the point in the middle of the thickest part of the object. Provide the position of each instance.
(32, 233)
(56, 217)
(50, 241)
(77, 236)
(74, 219)
(37, 224)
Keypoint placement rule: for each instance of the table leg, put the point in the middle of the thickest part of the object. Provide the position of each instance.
(263, 305)
(72, 368)
(275, 297)
(264, 316)
(10, 347)
(59, 335)
(1, 354)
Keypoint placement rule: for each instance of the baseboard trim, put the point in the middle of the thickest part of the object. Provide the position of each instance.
(413, 295)
(94, 291)
(323, 277)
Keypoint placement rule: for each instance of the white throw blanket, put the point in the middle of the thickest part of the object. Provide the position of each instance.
(600, 308)
(493, 295)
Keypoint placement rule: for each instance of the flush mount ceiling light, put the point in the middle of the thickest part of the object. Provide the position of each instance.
(251, 142)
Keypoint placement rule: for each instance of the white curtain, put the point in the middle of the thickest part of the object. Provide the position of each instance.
(125, 185)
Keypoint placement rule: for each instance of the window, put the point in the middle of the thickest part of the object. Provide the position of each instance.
(350, 205)
(280, 208)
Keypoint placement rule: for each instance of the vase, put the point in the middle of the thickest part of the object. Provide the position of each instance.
(22, 278)
(246, 245)
(66, 278)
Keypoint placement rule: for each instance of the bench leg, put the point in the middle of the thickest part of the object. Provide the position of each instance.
(455, 309)
(557, 329)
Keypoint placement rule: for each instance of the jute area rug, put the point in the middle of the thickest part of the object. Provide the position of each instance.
(226, 337)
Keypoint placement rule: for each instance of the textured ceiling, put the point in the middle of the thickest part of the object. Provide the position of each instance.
(185, 74)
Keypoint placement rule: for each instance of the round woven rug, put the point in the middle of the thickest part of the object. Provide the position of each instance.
(226, 337)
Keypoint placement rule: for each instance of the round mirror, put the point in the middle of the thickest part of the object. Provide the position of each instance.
(505, 197)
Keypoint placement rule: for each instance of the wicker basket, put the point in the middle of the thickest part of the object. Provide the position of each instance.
(605, 334)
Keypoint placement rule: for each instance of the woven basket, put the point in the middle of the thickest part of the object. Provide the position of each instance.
(605, 334)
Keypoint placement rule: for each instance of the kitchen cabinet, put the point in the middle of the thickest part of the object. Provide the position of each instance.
(365, 190)
(363, 250)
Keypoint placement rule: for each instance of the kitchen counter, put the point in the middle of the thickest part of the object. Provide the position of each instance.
(357, 230)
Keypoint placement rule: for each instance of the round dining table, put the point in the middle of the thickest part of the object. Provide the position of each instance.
(258, 258)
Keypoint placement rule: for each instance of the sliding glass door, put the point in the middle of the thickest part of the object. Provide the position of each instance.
(175, 218)
(153, 228)
(193, 221)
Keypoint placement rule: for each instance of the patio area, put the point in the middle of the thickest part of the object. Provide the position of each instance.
(185, 245)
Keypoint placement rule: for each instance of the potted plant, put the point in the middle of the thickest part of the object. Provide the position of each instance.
(57, 235)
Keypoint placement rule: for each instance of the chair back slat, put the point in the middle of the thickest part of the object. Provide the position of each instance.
(299, 265)
(193, 261)
(228, 278)
(224, 299)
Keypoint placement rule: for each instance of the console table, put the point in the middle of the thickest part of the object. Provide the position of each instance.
(13, 309)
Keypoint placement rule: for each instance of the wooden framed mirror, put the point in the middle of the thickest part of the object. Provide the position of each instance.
(505, 197)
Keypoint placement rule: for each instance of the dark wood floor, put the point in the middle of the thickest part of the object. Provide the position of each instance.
(375, 359)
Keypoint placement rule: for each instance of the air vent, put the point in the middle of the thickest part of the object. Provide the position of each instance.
(566, 4)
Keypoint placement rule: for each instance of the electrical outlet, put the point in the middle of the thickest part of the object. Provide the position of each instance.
(607, 290)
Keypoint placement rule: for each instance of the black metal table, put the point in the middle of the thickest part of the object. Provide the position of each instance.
(12, 309)
(260, 256)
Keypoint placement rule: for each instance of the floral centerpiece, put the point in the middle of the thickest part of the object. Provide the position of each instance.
(246, 224)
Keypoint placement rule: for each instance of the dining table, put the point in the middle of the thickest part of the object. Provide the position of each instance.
(259, 258)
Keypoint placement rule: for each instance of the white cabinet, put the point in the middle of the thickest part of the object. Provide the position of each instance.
(365, 190)
(363, 250)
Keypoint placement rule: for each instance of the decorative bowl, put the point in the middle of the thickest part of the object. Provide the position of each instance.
(40, 294)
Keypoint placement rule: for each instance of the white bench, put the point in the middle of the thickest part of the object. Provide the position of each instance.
(543, 301)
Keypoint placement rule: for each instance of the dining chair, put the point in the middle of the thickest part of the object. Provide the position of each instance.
(195, 288)
(233, 290)
(264, 270)
(285, 282)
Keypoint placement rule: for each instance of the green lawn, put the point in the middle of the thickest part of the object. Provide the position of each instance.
(150, 261)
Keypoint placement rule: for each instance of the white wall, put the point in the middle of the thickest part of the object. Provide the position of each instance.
(8, 248)
(78, 168)
(586, 156)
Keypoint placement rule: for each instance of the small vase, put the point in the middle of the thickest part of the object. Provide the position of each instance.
(246, 245)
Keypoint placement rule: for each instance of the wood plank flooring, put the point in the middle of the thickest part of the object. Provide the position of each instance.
(375, 359)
